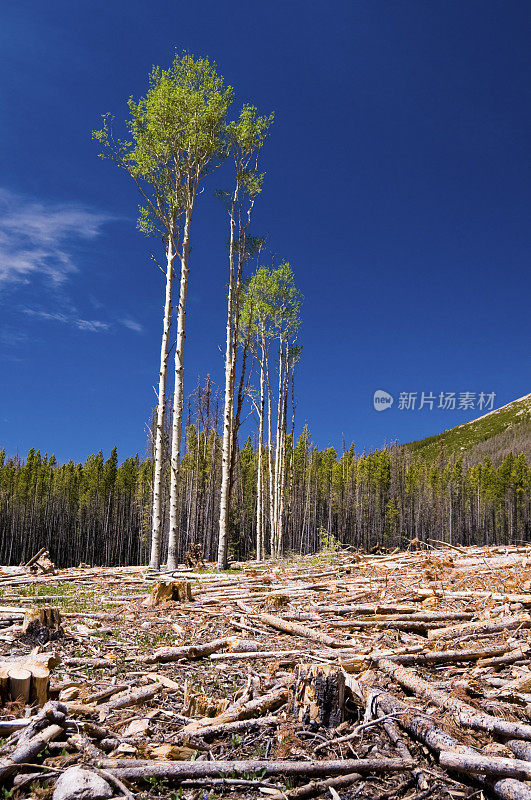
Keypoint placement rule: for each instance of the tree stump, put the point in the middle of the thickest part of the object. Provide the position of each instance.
(198, 704)
(276, 601)
(319, 694)
(40, 680)
(167, 590)
(20, 684)
(33, 684)
(27, 680)
(42, 625)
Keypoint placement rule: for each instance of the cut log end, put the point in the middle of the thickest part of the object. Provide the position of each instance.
(20, 684)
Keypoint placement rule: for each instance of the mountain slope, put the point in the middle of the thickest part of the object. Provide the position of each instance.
(495, 434)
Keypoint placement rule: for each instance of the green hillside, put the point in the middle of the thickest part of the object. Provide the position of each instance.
(495, 434)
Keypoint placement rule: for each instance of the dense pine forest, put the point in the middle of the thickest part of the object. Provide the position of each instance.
(99, 512)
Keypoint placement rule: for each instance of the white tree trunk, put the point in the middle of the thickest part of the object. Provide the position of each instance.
(230, 373)
(278, 458)
(178, 399)
(156, 516)
(260, 543)
(282, 471)
(270, 458)
(227, 439)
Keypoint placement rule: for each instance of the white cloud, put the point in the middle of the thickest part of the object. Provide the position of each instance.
(132, 325)
(11, 336)
(36, 237)
(91, 325)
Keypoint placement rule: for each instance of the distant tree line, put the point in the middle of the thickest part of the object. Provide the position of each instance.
(99, 512)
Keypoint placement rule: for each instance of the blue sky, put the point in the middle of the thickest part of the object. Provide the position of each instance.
(398, 186)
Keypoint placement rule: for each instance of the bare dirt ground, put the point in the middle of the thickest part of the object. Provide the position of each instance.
(416, 665)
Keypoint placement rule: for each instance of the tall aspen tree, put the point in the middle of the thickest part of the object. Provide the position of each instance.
(177, 139)
(245, 139)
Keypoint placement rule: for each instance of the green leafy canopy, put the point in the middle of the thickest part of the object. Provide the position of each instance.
(177, 136)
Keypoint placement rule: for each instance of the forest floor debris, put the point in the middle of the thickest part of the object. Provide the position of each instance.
(345, 675)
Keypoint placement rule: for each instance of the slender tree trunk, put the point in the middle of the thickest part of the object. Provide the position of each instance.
(270, 458)
(228, 402)
(260, 549)
(282, 452)
(283, 463)
(230, 424)
(178, 398)
(156, 516)
(278, 457)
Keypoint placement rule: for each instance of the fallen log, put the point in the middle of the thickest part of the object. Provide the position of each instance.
(380, 624)
(352, 664)
(131, 698)
(427, 616)
(28, 750)
(366, 609)
(508, 658)
(481, 628)
(485, 765)
(447, 656)
(257, 654)
(191, 651)
(9, 726)
(95, 663)
(137, 770)
(463, 713)
(422, 728)
(225, 728)
(299, 630)
(392, 731)
(36, 557)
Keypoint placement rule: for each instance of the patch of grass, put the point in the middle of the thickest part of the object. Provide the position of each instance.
(56, 588)
(158, 786)
(150, 640)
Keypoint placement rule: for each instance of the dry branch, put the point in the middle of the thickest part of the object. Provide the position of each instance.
(320, 787)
